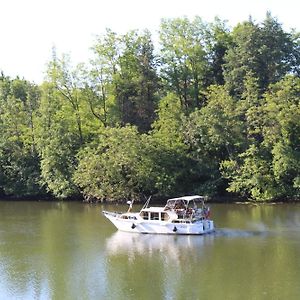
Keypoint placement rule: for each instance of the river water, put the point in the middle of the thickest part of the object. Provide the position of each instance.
(58, 250)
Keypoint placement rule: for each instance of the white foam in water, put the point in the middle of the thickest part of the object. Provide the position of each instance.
(229, 232)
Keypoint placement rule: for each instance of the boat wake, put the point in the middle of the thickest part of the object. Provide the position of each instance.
(238, 233)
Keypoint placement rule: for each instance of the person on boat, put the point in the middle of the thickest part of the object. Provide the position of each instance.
(206, 212)
(130, 206)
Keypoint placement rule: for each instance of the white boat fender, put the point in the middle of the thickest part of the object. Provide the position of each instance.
(133, 226)
(174, 229)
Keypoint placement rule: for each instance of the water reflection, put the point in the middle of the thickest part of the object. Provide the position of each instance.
(141, 265)
(133, 244)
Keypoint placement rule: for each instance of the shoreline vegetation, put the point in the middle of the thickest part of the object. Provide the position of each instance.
(211, 110)
(154, 201)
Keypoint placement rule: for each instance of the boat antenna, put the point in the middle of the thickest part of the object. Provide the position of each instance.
(147, 203)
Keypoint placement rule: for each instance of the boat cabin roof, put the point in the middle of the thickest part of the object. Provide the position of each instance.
(189, 198)
(183, 202)
(176, 203)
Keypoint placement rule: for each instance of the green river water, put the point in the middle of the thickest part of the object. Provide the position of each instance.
(59, 250)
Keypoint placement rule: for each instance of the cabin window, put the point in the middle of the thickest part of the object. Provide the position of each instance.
(154, 216)
(124, 217)
(182, 221)
(144, 215)
(164, 216)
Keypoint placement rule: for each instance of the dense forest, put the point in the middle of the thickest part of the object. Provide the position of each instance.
(208, 110)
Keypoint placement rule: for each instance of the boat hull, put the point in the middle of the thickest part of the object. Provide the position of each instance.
(134, 224)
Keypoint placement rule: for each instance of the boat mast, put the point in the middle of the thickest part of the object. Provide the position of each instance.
(147, 203)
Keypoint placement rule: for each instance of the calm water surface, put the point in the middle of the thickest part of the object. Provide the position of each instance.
(69, 251)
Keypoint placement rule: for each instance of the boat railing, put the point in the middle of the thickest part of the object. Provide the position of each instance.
(111, 213)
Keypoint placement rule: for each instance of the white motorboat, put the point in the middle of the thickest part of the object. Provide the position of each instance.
(183, 215)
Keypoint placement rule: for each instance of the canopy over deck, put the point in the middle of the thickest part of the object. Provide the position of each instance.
(184, 202)
(189, 198)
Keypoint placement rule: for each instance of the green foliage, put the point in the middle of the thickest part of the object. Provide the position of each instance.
(253, 177)
(124, 164)
(184, 59)
(115, 167)
(168, 126)
(218, 40)
(214, 111)
(125, 67)
(216, 130)
(176, 171)
(265, 50)
(19, 171)
(213, 134)
(58, 140)
(269, 168)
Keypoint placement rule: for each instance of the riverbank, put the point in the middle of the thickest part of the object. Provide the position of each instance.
(154, 200)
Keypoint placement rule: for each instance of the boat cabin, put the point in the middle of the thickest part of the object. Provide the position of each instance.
(182, 208)
(128, 216)
(154, 214)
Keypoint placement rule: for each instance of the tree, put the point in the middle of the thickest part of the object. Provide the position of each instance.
(216, 129)
(57, 142)
(137, 82)
(127, 83)
(281, 131)
(264, 50)
(67, 85)
(64, 125)
(115, 167)
(269, 168)
(213, 134)
(20, 168)
(184, 59)
(250, 174)
(243, 57)
(279, 53)
(168, 126)
(173, 171)
(100, 85)
(218, 41)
